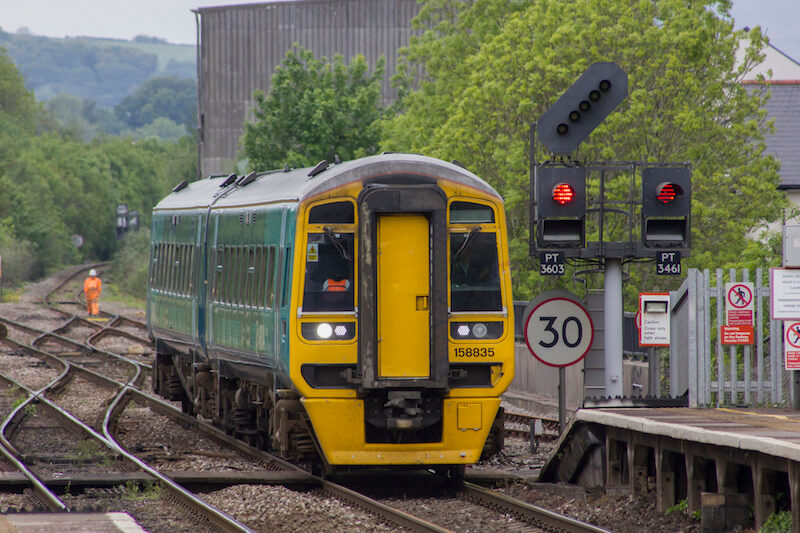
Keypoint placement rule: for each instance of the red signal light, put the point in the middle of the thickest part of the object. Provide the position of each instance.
(563, 193)
(667, 192)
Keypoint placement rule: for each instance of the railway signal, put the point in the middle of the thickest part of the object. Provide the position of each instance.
(666, 204)
(560, 206)
(578, 111)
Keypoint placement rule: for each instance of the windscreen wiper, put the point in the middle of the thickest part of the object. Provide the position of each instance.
(468, 239)
(337, 242)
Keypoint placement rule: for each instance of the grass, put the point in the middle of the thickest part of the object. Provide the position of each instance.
(133, 491)
(11, 294)
(112, 293)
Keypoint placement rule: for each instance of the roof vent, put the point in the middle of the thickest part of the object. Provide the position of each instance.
(182, 185)
(247, 180)
(230, 179)
(322, 166)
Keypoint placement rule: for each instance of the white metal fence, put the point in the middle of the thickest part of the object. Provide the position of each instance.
(716, 374)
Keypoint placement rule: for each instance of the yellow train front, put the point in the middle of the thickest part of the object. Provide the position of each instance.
(350, 314)
(401, 339)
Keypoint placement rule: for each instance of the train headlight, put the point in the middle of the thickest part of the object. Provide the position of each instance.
(328, 331)
(476, 330)
(324, 331)
(479, 330)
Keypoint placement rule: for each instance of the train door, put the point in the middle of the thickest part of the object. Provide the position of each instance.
(403, 248)
(402, 296)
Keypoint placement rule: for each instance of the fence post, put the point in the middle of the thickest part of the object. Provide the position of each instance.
(759, 335)
(746, 352)
(691, 353)
(720, 354)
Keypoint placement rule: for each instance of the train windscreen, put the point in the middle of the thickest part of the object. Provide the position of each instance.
(329, 283)
(474, 272)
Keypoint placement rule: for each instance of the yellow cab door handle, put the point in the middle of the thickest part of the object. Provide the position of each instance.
(422, 302)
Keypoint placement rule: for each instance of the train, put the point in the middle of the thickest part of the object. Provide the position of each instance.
(354, 314)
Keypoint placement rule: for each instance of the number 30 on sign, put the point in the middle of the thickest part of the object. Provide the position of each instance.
(558, 329)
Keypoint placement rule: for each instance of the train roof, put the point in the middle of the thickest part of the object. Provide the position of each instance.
(296, 185)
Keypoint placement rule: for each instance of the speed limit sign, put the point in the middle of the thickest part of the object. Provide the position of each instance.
(558, 329)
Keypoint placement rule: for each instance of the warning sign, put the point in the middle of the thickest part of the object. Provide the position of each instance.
(739, 306)
(791, 345)
(736, 335)
(312, 254)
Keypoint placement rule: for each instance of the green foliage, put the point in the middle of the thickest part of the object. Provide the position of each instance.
(169, 97)
(129, 266)
(150, 490)
(777, 523)
(17, 104)
(491, 67)
(54, 186)
(315, 110)
(680, 507)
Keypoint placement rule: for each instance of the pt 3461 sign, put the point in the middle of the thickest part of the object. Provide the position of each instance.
(558, 329)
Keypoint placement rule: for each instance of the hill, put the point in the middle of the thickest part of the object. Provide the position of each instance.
(103, 70)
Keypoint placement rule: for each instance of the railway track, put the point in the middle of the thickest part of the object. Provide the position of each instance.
(76, 359)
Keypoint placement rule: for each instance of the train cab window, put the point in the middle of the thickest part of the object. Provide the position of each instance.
(474, 272)
(329, 272)
(332, 213)
(470, 213)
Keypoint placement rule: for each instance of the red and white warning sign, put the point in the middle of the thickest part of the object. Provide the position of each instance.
(736, 335)
(739, 305)
(791, 345)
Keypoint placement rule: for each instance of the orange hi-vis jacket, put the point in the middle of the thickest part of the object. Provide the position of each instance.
(332, 285)
(92, 288)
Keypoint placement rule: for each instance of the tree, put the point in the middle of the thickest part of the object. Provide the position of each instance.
(17, 103)
(169, 97)
(490, 68)
(315, 110)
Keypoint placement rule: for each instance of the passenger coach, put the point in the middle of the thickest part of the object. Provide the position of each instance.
(357, 313)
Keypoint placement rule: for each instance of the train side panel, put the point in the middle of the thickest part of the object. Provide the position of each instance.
(175, 257)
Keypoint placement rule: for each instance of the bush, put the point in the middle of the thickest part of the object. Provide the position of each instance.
(19, 260)
(778, 523)
(129, 266)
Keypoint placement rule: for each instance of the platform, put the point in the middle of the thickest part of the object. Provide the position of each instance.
(748, 456)
(69, 523)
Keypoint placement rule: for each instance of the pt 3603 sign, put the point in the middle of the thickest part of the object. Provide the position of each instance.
(558, 329)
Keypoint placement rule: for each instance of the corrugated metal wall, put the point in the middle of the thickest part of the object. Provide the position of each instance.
(240, 46)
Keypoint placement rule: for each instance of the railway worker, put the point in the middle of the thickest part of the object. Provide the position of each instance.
(334, 285)
(92, 288)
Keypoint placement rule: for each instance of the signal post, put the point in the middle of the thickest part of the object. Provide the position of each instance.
(559, 208)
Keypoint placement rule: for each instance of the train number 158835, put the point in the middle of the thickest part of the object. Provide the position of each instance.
(474, 352)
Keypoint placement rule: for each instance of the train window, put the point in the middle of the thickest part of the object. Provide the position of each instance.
(287, 264)
(329, 283)
(470, 213)
(219, 275)
(270, 276)
(258, 283)
(474, 272)
(251, 274)
(171, 268)
(332, 213)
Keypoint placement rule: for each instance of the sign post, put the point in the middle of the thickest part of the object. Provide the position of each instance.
(558, 332)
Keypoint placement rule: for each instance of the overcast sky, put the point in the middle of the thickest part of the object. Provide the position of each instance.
(173, 20)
